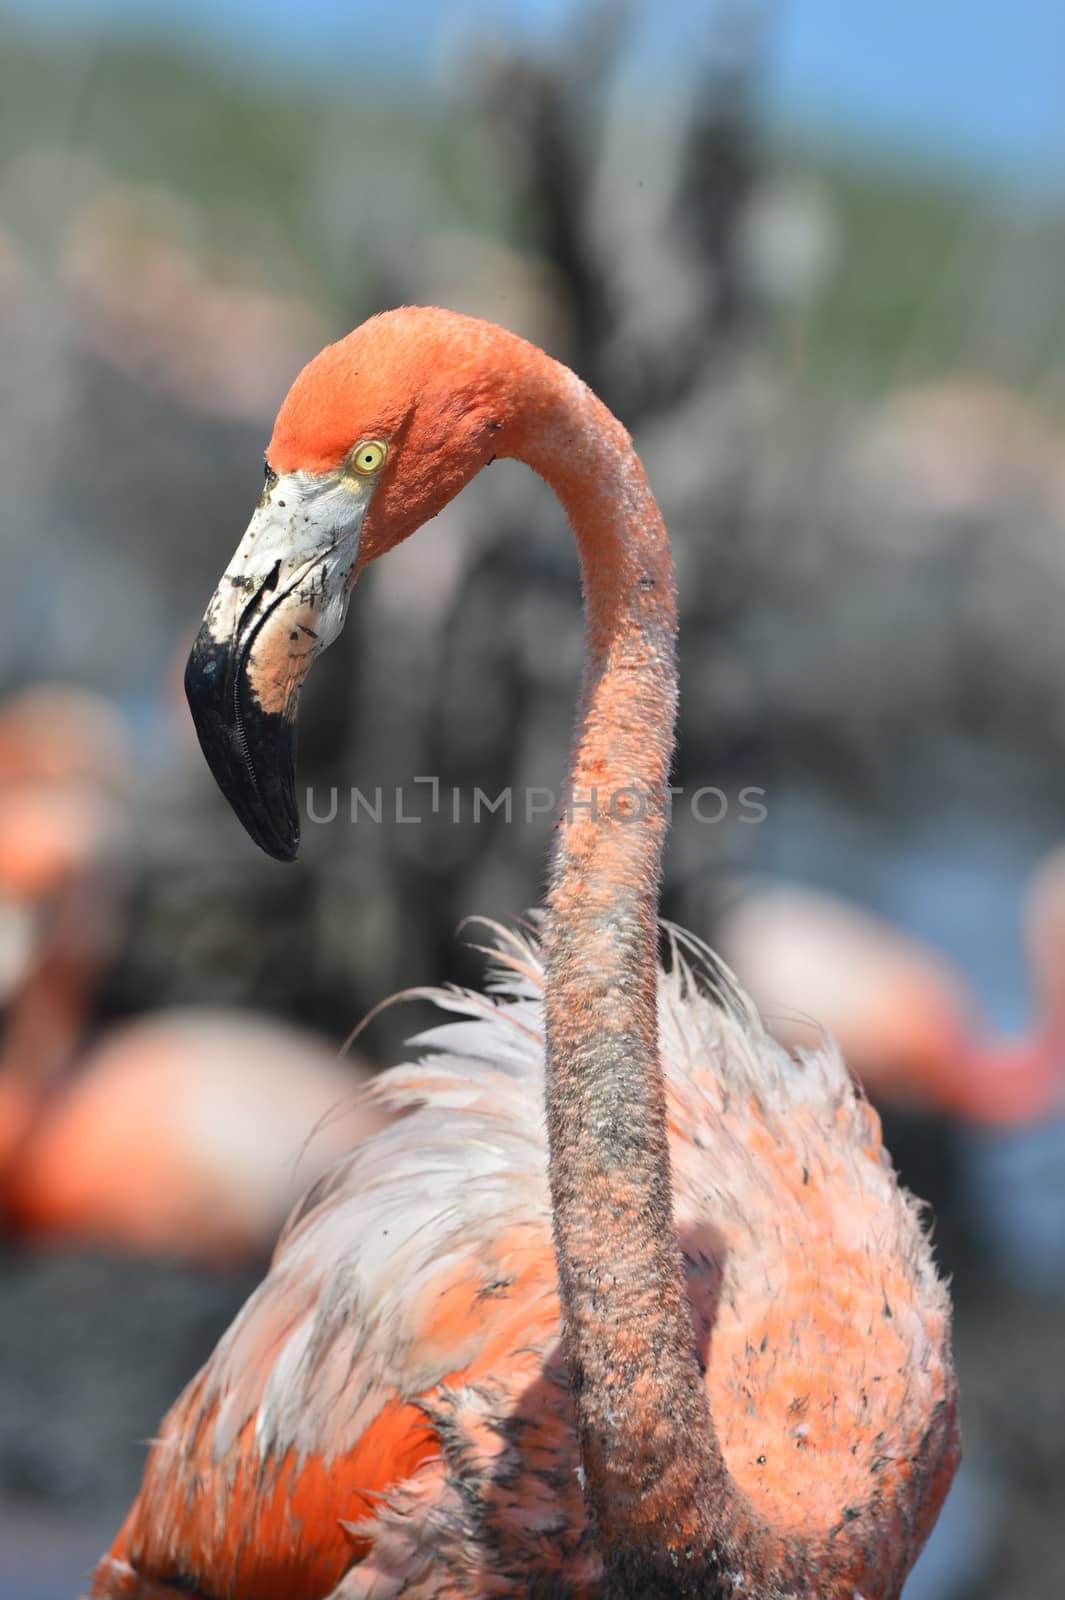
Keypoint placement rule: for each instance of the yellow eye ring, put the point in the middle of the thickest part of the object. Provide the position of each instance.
(368, 457)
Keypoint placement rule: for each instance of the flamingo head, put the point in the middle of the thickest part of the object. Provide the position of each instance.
(375, 436)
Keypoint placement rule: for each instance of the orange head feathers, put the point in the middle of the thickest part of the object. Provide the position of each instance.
(439, 391)
(376, 435)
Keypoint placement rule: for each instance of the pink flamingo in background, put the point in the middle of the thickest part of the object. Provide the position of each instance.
(905, 1019)
(187, 1132)
(689, 1340)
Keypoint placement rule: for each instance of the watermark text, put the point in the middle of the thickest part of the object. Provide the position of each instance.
(423, 798)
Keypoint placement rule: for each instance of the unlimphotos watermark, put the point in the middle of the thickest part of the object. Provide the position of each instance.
(707, 804)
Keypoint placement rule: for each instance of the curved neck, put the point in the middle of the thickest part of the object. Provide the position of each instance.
(653, 1470)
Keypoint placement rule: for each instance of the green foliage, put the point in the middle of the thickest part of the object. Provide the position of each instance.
(339, 180)
(339, 191)
(931, 275)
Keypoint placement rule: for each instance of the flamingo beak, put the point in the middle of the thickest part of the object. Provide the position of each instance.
(281, 601)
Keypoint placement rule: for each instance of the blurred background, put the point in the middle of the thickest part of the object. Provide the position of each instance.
(813, 256)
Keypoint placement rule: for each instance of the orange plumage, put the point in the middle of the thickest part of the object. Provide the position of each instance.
(688, 1339)
(186, 1133)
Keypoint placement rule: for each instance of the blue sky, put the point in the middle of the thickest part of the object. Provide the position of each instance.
(979, 83)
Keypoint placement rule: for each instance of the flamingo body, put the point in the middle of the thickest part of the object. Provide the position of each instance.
(185, 1134)
(390, 1414)
(626, 1301)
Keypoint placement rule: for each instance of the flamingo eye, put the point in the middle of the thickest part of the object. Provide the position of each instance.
(368, 457)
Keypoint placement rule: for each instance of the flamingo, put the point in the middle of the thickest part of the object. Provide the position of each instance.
(186, 1133)
(64, 781)
(688, 1339)
(904, 1018)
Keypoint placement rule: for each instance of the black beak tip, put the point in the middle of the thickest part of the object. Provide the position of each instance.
(251, 753)
(273, 840)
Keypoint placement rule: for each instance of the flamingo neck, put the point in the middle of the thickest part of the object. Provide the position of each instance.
(653, 1469)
